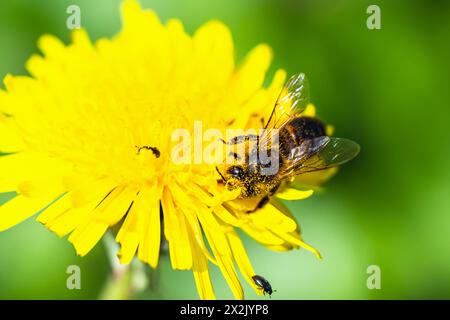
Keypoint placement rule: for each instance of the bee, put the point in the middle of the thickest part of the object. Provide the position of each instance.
(302, 146)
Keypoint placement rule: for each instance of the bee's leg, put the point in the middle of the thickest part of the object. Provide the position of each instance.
(274, 189)
(155, 150)
(260, 204)
(234, 155)
(241, 139)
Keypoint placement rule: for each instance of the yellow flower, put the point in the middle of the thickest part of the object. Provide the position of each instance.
(70, 132)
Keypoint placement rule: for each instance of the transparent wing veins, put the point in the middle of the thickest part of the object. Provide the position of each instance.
(319, 154)
(292, 101)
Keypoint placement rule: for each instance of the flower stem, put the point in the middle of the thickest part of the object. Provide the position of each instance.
(125, 281)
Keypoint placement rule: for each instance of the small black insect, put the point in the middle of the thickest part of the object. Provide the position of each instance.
(263, 284)
(155, 150)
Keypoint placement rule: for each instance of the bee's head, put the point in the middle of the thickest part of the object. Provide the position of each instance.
(235, 172)
(234, 176)
(244, 177)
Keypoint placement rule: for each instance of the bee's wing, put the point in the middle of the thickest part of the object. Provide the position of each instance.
(319, 154)
(291, 102)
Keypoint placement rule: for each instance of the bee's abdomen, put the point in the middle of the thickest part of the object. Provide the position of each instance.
(297, 130)
(306, 128)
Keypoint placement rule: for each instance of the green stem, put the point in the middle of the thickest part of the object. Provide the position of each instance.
(125, 281)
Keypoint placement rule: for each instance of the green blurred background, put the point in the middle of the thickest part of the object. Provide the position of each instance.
(386, 89)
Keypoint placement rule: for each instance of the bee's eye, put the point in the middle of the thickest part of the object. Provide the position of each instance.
(236, 172)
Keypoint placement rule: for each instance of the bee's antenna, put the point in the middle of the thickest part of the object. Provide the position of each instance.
(218, 171)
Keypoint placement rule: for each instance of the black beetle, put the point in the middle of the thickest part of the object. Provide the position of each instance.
(263, 284)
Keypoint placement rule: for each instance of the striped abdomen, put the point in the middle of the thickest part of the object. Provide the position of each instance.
(296, 131)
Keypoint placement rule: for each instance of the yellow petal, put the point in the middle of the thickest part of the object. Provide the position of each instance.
(242, 260)
(226, 216)
(271, 217)
(329, 129)
(282, 248)
(68, 220)
(202, 195)
(224, 258)
(20, 208)
(148, 209)
(213, 46)
(128, 237)
(200, 270)
(290, 238)
(51, 46)
(84, 190)
(197, 233)
(310, 111)
(86, 236)
(40, 187)
(10, 139)
(176, 234)
(80, 39)
(111, 208)
(201, 206)
(294, 194)
(134, 18)
(55, 210)
(250, 76)
(32, 174)
(263, 236)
